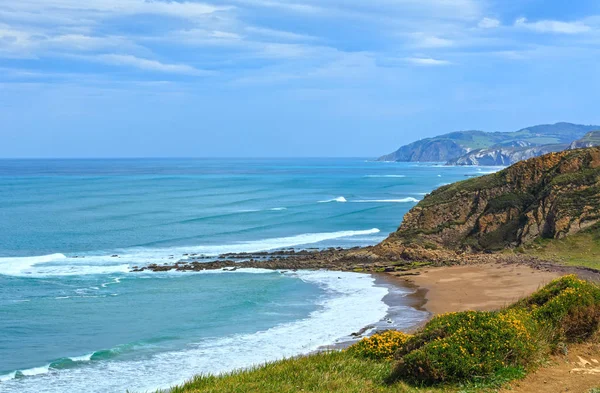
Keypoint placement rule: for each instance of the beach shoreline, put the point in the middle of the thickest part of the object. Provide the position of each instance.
(413, 300)
(477, 287)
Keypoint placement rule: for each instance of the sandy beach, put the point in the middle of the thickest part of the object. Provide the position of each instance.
(475, 287)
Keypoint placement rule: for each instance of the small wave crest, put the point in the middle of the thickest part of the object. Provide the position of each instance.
(60, 265)
(15, 266)
(30, 372)
(338, 199)
(8, 377)
(401, 200)
(70, 362)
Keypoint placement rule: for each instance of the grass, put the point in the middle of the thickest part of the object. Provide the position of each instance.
(325, 372)
(582, 249)
(456, 352)
(339, 372)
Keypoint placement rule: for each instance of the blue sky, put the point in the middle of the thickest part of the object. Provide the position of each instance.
(113, 78)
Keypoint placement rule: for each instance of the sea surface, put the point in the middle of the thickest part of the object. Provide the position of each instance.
(73, 317)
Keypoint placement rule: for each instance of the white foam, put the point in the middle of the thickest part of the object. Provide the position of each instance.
(338, 199)
(402, 200)
(116, 280)
(84, 358)
(277, 209)
(60, 265)
(15, 266)
(36, 371)
(272, 244)
(352, 302)
(7, 377)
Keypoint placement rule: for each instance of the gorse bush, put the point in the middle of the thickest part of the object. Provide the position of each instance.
(465, 346)
(570, 307)
(460, 346)
(380, 346)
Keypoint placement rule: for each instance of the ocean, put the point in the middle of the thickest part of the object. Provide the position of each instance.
(73, 317)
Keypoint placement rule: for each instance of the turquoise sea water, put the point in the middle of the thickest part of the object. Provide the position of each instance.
(72, 317)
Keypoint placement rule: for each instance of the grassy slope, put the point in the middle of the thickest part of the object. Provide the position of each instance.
(582, 249)
(326, 372)
(337, 372)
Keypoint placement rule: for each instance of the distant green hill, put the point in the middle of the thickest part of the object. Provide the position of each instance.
(492, 148)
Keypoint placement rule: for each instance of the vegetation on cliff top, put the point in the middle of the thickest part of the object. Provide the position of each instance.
(548, 197)
(466, 352)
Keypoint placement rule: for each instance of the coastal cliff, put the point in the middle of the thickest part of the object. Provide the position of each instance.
(551, 197)
(504, 156)
(589, 140)
(494, 148)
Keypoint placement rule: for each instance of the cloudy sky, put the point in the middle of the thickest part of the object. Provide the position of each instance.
(109, 78)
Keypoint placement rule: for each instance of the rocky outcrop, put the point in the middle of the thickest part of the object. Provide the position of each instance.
(504, 156)
(428, 150)
(589, 140)
(551, 196)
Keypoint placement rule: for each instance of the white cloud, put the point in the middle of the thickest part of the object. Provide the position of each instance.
(553, 26)
(148, 65)
(489, 23)
(278, 34)
(285, 5)
(427, 61)
(99, 8)
(36, 42)
(431, 41)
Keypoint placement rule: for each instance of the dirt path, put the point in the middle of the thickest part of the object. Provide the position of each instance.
(578, 372)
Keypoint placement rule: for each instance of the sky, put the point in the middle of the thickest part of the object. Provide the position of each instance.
(286, 78)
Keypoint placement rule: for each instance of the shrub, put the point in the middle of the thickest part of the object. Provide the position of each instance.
(380, 346)
(462, 346)
(570, 307)
(581, 323)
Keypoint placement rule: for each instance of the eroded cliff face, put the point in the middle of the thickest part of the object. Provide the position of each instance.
(551, 196)
(502, 156)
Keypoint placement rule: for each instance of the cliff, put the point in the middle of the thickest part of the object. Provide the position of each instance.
(551, 196)
(491, 148)
(427, 150)
(504, 156)
(590, 139)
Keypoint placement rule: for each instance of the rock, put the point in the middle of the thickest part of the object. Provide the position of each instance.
(552, 196)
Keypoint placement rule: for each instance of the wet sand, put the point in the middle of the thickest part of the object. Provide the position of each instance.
(475, 287)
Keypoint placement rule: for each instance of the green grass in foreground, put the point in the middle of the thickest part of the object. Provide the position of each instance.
(456, 352)
(323, 373)
(582, 249)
